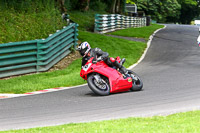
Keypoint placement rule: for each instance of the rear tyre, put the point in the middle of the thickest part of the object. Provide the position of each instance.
(101, 88)
(137, 82)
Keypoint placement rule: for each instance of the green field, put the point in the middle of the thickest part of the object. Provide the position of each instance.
(142, 32)
(177, 123)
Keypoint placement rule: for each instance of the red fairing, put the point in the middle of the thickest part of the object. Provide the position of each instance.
(116, 80)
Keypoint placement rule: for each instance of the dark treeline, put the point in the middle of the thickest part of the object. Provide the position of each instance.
(181, 11)
(112, 6)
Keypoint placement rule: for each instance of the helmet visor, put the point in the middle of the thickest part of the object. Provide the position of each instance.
(82, 52)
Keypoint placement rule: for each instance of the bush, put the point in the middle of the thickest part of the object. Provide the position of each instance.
(71, 4)
(98, 6)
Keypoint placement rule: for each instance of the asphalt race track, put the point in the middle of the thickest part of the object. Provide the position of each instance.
(171, 76)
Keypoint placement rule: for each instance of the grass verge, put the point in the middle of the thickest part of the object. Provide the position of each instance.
(143, 32)
(84, 19)
(28, 26)
(177, 123)
(70, 76)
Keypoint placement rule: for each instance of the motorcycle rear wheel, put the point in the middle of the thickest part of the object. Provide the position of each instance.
(102, 89)
(137, 82)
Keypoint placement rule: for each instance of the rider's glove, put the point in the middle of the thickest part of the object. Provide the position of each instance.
(99, 59)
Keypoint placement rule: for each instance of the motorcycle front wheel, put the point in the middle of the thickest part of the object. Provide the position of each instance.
(137, 82)
(100, 86)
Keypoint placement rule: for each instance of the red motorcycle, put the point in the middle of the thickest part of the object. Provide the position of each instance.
(104, 80)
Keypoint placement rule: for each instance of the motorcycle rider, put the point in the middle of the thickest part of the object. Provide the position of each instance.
(87, 52)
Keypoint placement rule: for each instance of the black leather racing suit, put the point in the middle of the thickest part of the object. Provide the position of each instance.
(98, 53)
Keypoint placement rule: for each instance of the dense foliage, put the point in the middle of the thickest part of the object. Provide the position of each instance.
(160, 10)
(189, 10)
(181, 11)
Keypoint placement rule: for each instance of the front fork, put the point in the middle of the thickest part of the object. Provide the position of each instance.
(99, 79)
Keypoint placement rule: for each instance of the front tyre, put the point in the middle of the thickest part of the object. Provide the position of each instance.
(99, 84)
(137, 82)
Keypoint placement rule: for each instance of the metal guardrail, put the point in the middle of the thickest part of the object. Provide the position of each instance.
(112, 22)
(37, 55)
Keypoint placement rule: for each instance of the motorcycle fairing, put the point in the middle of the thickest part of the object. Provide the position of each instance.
(116, 80)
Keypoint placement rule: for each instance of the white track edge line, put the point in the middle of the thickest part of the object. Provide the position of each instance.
(39, 92)
(148, 45)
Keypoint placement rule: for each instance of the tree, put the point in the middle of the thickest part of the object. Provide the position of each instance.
(117, 6)
(170, 10)
(131, 1)
(160, 10)
(113, 6)
(189, 10)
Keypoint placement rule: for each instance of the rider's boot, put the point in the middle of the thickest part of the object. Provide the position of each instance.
(121, 67)
(124, 70)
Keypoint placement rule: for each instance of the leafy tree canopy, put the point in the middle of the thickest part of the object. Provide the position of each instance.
(130, 2)
(182, 11)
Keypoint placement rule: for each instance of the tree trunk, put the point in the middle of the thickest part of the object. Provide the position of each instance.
(122, 6)
(117, 6)
(113, 6)
(87, 6)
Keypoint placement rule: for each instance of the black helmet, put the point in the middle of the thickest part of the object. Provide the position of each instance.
(84, 48)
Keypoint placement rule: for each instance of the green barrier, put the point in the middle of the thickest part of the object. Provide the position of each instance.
(108, 23)
(37, 55)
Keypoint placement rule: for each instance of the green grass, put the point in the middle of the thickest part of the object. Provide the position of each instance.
(70, 76)
(84, 19)
(177, 123)
(143, 32)
(22, 26)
